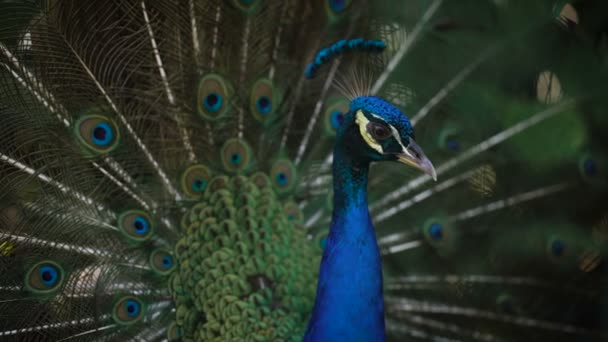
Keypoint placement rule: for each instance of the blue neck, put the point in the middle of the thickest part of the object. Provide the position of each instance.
(349, 305)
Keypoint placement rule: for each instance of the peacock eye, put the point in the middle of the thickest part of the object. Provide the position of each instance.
(236, 155)
(263, 105)
(336, 119)
(194, 180)
(128, 310)
(214, 96)
(44, 277)
(162, 262)
(213, 102)
(136, 225)
(141, 225)
(97, 133)
(283, 174)
(263, 99)
(378, 131)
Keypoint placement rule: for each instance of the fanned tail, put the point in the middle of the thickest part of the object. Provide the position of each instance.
(166, 167)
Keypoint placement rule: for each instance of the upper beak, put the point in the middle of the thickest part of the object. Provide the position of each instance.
(414, 156)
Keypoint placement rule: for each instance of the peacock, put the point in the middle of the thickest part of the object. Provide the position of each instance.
(320, 170)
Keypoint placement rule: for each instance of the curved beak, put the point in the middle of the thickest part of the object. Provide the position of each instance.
(414, 156)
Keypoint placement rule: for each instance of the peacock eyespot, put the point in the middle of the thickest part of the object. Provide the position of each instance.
(292, 212)
(378, 131)
(214, 94)
(213, 102)
(102, 134)
(450, 138)
(167, 261)
(283, 173)
(132, 308)
(128, 310)
(236, 155)
(263, 99)
(440, 234)
(44, 277)
(558, 248)
(452, 145)
(141, 225)
(136, 225)
(436, 231)
(194, 180)
(282, 178)
(336, 7)
(590, 167)
(97, 133)
(334, 114)
(336, 119)
(162, 262)
(264, 105)
(199, 185)
(235, 158)
(49, 275)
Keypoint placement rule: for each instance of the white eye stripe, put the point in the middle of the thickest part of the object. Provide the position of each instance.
(397, 137)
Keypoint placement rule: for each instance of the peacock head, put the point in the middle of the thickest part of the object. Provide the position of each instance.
(381, 132)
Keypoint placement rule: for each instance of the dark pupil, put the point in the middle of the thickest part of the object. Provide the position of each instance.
(282, 176)
(47, 276)
(99, 133)
(340, 118)
(558, 248)
(212, 99)
(590, 167)
(380, 132)
(453, 145)
(139, 225)
(436, 232)
(507, 307)
(130, 308)
(235, 157)
(338, 4)
(198, 183)
(264, 102)
(166, 261)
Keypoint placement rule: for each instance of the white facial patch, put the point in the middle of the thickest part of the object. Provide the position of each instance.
(397, 137)
(362, 122)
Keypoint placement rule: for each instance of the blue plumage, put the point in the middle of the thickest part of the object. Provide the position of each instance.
(349, 291)
(49, 275)
(326, 55)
